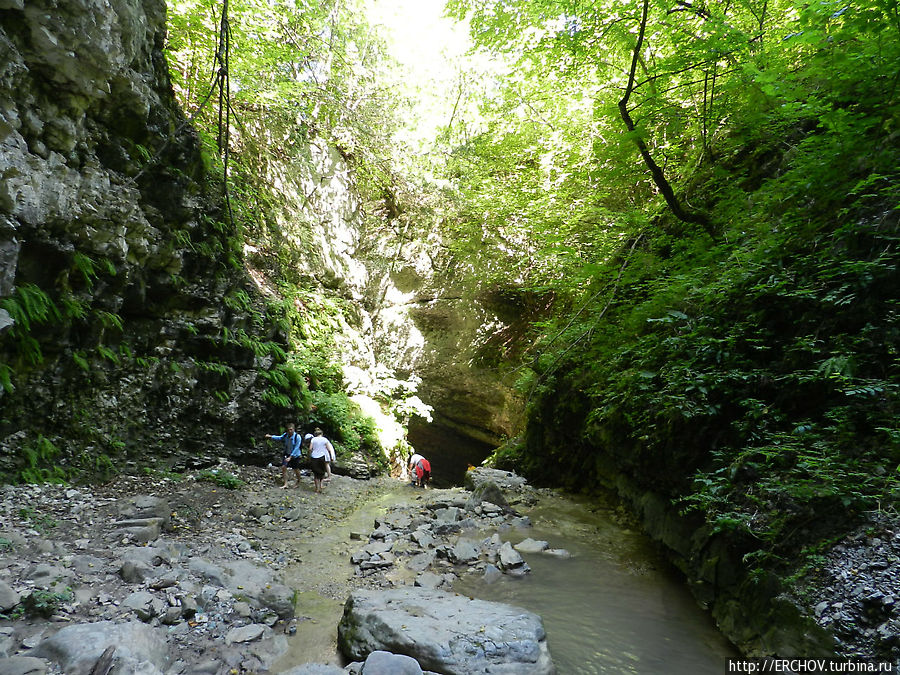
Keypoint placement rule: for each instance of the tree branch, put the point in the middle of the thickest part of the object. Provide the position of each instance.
(659, 177)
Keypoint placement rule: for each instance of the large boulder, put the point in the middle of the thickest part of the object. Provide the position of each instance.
(9, 597)
(444, 632)
(487, 491)
(506, 481)
(77, 649)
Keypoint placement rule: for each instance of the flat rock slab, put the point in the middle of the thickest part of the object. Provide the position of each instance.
(445, 632)
(77, 648)
(505, 480)
(24, 665)
(385, 663)
(314, 669)
(245, 633)
(531, 546)
(9, 598)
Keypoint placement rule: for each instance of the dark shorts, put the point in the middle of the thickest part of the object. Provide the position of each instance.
(317, 464)
(293, 462)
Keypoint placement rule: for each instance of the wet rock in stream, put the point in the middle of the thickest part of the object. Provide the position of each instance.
(445, 632)
(434, 536)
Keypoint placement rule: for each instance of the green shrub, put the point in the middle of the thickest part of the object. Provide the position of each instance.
(41, 463)
(42, 522)
(41, 603)
(221, 478)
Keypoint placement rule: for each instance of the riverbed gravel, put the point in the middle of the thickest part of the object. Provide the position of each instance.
(200, 557)
(208, 571)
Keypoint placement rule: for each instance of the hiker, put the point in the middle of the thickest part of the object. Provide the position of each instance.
(419, 470)
(291, 453)
(321, 453)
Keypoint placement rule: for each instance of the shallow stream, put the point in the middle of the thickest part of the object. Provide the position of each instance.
(615, 606)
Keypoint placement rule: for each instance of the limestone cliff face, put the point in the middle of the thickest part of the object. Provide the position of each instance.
(437, 325)
(413, 315)
(126, 322)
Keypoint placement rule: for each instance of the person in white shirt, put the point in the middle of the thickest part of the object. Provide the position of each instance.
(321, 453)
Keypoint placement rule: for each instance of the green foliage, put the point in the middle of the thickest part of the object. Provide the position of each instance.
(100, 466)
(40, 463)
(276, 398)
(74, 307)
(754, 388)
(350, 428)
(221, 478)
(142, 152)
(294, 83)
(753, 377)
(215, 367)
(146, 361)
(43, 603)
(86, 267)
(29, 306)
(108, 319)
(81, 361)
(238, 300)
(108, 354)
(259, 347)
(6, 378)
(41, 522)
(288, 386)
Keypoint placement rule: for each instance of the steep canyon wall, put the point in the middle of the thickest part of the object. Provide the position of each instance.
(127, 325)
(132, 321)
(409, 315)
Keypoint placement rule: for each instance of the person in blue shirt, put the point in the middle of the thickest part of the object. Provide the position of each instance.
(292, 453)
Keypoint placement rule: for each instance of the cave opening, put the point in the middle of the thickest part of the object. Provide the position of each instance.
(449, 451)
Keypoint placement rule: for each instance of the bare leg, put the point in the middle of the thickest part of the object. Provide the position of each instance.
(297, 474)
(284, 475)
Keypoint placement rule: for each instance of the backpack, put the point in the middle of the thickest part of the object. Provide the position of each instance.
(289, 444)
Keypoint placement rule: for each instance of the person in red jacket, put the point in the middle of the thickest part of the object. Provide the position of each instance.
(419, 470)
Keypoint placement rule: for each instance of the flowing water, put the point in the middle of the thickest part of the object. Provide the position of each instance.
(615, 606)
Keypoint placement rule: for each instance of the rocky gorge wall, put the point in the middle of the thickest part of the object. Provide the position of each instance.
(127, 327)
(830, 605)
(408, 315)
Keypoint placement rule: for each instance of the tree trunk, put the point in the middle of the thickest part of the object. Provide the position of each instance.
(659, 178)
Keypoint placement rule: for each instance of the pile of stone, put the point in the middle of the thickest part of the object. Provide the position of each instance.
(437, 537)
(125, 585)
(858, 591)
(126, 591)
